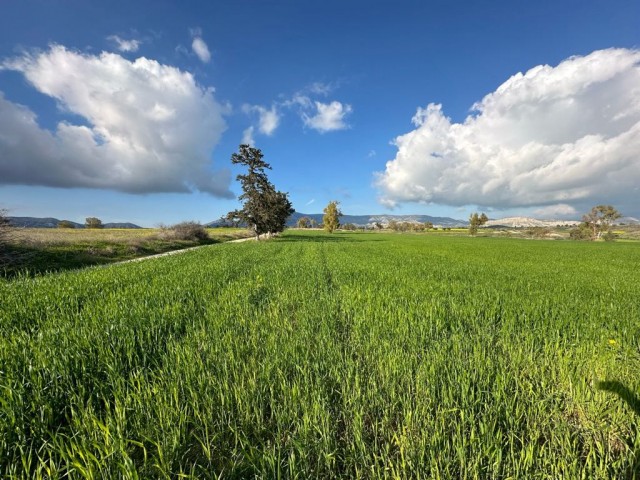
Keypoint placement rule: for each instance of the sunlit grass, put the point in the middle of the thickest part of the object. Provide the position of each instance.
(346, 355)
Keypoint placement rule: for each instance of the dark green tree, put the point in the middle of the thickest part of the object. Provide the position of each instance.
(66, 224)
(264, 210)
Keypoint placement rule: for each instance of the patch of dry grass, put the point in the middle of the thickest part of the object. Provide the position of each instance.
(39, 250)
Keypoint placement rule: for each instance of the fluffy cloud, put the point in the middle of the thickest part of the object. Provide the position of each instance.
(125, 45)
(146, 127)
(567, 135)
(201, 49)
(268, 120)
(247, 137)
(328, 117)
(561, 210)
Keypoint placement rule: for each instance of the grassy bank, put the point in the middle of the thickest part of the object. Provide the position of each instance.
(39, 250)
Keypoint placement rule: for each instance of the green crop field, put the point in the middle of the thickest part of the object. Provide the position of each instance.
(322, 356)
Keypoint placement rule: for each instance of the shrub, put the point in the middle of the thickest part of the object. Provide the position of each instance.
(192, 231)
(93, 222)
(581, 232)
(66, 224)
(5, 231)
(538, 232)
(5, 227)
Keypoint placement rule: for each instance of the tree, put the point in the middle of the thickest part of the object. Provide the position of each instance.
(313, 223)
(474, 222)
(331, 217)
(93, 222)
(265, 210)
(66, 224)
(303, 222)
(600, 219)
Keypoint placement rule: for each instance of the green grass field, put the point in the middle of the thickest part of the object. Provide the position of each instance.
(322, 356)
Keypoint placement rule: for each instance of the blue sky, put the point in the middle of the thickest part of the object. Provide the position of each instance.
(130, 111)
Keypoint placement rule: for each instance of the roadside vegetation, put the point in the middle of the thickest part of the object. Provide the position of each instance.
(39, 250)
(360, 355)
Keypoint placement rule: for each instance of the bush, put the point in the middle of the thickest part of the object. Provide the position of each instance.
(66, 224)
(538, 232)
(5, 231)
(581, 232)
(5, 227)
(93, 222)
(192, 231)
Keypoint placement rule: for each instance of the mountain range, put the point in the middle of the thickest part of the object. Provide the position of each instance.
(358, 220)
(49, 222)
(366, 220)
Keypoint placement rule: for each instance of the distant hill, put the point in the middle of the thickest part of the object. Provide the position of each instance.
(367, 220)
(121, 225)
(528, 222)
(628, 221)
(34, 222)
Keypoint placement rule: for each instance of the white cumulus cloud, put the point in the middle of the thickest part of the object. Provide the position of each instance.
(268, 119)
(328, 117)
(201, 49)
(125, 45)
(144, 127)
(565, 135)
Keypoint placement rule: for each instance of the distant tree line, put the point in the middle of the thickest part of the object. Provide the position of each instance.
(409, 226)
(306, 222)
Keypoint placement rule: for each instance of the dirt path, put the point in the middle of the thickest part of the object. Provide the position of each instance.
(176, 252)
